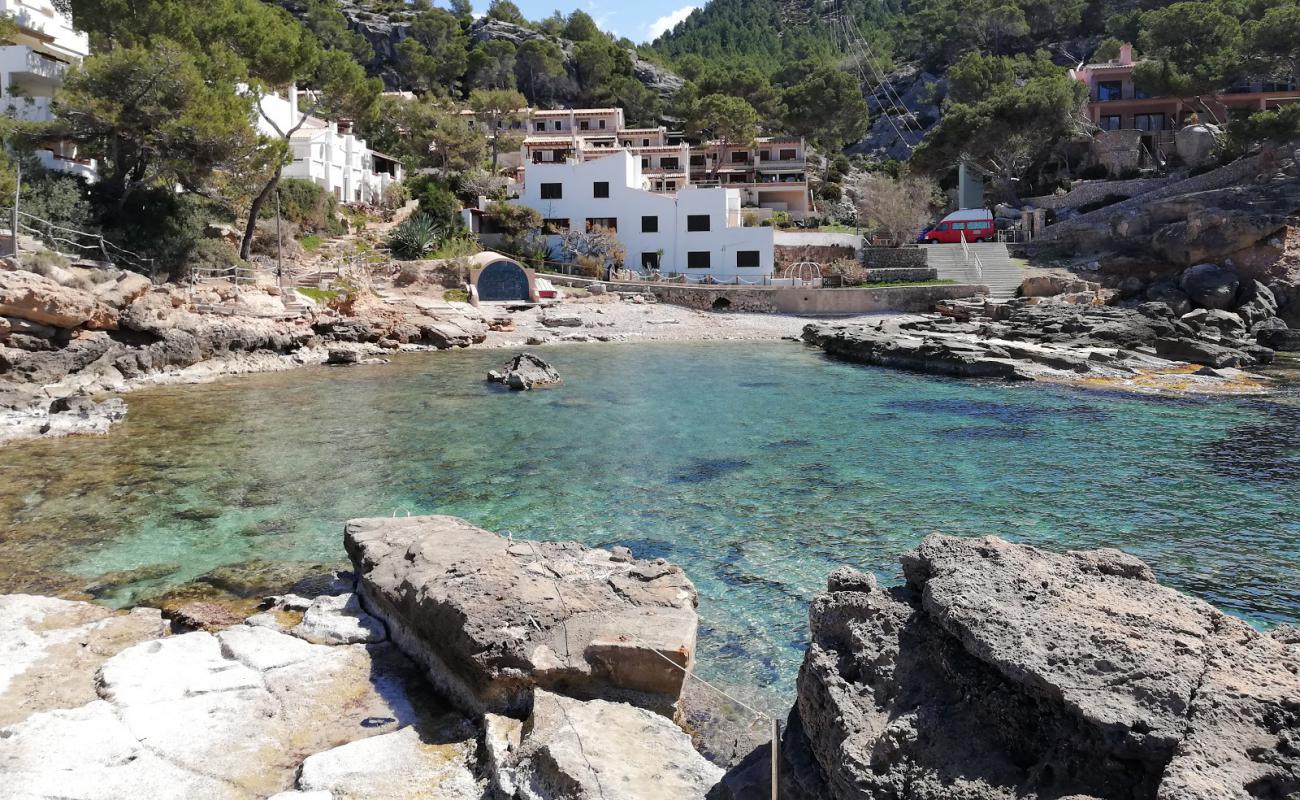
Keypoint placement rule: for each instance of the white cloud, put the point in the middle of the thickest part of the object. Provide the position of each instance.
(668, 21)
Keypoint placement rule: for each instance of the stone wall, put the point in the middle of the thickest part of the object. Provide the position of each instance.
(1118, 150)
(902, 274)
(894, 258)
(1085, 192)
(791, 300)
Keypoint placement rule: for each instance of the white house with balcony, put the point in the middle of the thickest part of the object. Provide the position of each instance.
(326, 154)
(696, 233)
(33, 64)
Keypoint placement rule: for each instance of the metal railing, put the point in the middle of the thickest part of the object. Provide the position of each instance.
(969, 255)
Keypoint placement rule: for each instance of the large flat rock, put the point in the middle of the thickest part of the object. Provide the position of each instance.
(1003, 671)
(491, 619)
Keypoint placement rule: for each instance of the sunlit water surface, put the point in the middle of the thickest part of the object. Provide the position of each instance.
(757, 467)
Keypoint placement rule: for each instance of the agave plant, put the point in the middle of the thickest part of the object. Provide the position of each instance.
(415, 237)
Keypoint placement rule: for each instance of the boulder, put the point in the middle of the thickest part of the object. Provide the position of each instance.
(29, 296)
(999, 670)
(1210, 286)
(599, 749)
(1049, 285)
(562, 322)
(1196, 144)
(1285, 339)
(1255, 303)
(1169, 293)
(339, 619)
(1196, 351)
(122, 289)
(526, 371)
(491, 619)
(341, 357)
(395, 766)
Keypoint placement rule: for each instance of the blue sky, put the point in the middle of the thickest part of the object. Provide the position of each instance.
(638, 20)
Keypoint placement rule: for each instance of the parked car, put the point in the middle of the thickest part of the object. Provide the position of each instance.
(973, 224)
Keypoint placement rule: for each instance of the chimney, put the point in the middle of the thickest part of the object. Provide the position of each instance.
(1126, 53)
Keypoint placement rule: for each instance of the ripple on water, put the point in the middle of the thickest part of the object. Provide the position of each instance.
(759, 468)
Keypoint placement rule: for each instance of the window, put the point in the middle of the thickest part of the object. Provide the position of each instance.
(600, 189)
(649, 261)
(1112, 122)
(746, 258)
(649, 224)
(541, 126)
(697, 161)
(739, 157)
(1149, 122)
(697, 222)
(555, 226)
(765, 155)
(645, 163)
(645, 142)
(602, 222)
(627, 142)
(668, 163)
(556, 124)
(697, 259)
(552, 191)
(959, 226)
(1110, 90)
(601, 124)
(583, 125)
(789, 155)
(672, 186)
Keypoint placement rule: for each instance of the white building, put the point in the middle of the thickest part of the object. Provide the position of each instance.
(694, 232)
(333, 159)
(32, 67)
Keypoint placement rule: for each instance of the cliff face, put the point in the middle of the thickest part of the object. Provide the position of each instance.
(1001, 671)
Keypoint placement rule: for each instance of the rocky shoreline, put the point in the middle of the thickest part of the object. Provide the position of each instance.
(454, 663)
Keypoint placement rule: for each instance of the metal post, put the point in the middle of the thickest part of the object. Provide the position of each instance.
(776, 756)
(279, 244)
(13, 218)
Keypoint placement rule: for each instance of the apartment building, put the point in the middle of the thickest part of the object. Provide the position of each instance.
(328, 154)
(695, 232)
(33, 65)
(1115, 103)
(770, 173)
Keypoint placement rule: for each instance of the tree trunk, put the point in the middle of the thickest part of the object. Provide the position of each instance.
(246, 244)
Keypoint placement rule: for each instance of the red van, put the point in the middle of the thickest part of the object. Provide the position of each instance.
(973, 224)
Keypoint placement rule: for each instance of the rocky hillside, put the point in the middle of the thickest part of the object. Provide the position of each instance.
(385, 29)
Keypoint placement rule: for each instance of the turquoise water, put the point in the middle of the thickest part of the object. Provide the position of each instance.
(758, 467)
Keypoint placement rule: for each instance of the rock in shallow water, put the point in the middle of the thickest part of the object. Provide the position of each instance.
(491, 618)
(526, 371)
(1003, 671)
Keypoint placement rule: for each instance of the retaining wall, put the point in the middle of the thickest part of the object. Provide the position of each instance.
(1087, 192)
(785, 255)
(894, 258)
(877, 275)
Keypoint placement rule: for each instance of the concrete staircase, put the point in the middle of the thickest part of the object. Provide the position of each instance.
(989, 263)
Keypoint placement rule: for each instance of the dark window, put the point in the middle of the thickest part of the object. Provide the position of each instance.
(645, 163)
(557, 124)
(1112, 122)
(697, 259)
(645, 142)
(541, 126)
(602, 222)
(746, 258)
(649, 224)
(668, 163)
(601, 124)
(766, 155)
(600, 189)
(552, 191)
(672, 186)
(789, 155)
(697, 222)
(557, 225)
(697, 161)
(650, 261)
(627, 142)
(739, 157)
(1149, 122)
(1110, 90)
(583, 124)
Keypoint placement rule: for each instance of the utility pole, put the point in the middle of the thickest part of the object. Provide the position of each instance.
(13, 218)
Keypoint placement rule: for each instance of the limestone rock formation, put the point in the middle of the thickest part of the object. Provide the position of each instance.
(33, 297)
(1210, 286)
(491, 619)
(526, 371)
(598, 749)
(999, 670)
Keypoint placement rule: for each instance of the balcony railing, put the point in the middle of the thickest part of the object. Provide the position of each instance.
(46, 67)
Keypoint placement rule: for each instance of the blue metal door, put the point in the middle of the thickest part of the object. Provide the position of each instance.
(502, 280)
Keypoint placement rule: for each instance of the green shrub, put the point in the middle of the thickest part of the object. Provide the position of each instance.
(59, 199)
(212, 254)
(437, 202)
(415, 237)
(311, 242)
(309, 206)
(456, 296)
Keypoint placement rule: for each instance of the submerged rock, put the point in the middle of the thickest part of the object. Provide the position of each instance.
(1002, 671)
(526, 371)
(492, 619)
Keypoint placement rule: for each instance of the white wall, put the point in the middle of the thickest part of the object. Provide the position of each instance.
(628, 204)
